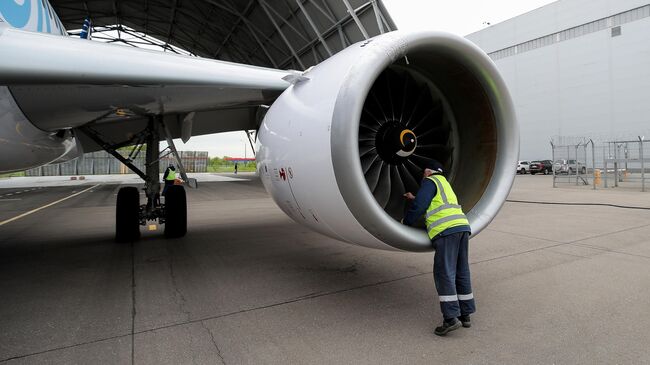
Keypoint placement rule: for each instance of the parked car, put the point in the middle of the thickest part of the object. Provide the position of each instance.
(523, 167)
(569, 167)
(543, 167)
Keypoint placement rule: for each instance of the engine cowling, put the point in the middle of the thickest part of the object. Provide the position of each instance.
(340, 147)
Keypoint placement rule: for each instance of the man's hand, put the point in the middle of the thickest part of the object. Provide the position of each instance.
(409, 196)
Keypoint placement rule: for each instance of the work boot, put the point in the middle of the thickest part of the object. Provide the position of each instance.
(464, 319)
(447, 326)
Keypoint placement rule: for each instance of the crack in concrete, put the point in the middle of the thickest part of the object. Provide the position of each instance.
(178, 295)
(133, 307)
(574, 243)
(214, 342)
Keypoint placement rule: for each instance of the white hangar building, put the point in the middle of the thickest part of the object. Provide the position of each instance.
(575, 68)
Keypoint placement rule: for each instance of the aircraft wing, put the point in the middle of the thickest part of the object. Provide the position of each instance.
(63, 82)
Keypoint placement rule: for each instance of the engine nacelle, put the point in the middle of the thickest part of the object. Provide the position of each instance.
(340, 148)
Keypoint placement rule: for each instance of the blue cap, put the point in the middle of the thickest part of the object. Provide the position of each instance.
(434, 166)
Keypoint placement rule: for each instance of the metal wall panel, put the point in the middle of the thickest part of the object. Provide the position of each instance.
(592, 85)
(34, 172)
(102, 163)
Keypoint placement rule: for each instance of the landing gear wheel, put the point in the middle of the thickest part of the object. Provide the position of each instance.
(127, 215)
(175, 212)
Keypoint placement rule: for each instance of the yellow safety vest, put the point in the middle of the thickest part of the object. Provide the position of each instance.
(171, 175)
(444, 211)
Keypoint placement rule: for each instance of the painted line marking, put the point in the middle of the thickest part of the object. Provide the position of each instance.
(45, 206)
(9, 200)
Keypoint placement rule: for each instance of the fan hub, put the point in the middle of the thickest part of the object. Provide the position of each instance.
(395, 142)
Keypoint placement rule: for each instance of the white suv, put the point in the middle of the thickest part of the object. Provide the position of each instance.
(569, 167)
(523, 167)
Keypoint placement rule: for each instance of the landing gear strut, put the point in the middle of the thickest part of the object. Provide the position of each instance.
(129, 213)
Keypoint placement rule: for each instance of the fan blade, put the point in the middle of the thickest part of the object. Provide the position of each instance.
(369, 115)
(367, 136)
(408, 89)
(415, 108)
(367, 161)
(391, 79)
(410, 183)
(432, 118)
(367, 127)
(397, 202)
(383, 188)
(414, 170)
(378, 105)
(372, 176)
(422, 108)
(365, 150)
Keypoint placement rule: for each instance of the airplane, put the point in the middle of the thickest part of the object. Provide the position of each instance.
(338, 143)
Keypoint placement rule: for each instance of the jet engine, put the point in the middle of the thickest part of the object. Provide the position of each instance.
(340, 147)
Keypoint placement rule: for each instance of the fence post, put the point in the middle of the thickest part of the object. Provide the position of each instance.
(615, 165)
(593, 162)
(576, 160)
(553, 161)
(642, 164)
(605, 165)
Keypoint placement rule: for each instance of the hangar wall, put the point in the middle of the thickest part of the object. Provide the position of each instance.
(573, 72)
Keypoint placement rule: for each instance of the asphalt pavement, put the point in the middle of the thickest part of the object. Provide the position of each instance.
(554, 284)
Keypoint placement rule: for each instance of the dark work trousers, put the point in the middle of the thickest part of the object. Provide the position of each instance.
(168, 183)
(451, 275)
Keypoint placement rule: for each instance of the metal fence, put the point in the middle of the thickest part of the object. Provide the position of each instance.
(102, 163)
(583, 161)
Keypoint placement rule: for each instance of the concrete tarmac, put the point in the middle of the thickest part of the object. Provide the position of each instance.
(554, 284)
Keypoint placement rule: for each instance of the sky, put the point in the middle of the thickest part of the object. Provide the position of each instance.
(460, 17)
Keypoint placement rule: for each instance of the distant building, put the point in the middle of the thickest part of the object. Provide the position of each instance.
(575, 68)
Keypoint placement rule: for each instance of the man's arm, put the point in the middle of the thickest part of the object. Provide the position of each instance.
(421, 202)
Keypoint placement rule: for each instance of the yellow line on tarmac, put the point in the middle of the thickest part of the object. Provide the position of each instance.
(45, 206)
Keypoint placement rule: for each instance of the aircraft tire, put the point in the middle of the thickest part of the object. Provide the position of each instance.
(127, 215)
(175, 212)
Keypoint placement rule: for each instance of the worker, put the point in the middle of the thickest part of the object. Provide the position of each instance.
(169, 177)
(449, 231)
